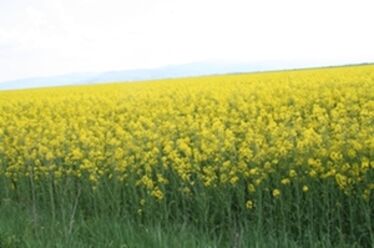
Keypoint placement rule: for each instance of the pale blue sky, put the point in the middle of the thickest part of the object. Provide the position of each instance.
(49, 37)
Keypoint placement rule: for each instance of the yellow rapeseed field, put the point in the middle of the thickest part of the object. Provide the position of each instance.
(276, 129)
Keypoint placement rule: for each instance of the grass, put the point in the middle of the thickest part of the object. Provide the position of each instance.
(80, 217)
(108, 232)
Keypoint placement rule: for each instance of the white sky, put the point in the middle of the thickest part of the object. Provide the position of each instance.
(48, 37)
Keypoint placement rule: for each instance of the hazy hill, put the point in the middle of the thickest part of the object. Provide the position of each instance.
(192, 69)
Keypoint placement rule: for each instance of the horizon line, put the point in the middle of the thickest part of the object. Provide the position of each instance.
(294, 68)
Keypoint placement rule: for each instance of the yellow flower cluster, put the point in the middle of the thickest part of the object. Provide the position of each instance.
(220, 130)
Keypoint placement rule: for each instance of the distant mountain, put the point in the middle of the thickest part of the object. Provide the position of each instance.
(193, 69)
(60, 80)
(174, 71)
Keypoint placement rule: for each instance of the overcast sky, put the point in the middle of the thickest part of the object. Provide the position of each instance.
(49, 37)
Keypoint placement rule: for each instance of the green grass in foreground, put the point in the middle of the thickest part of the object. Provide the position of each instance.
(18, 230)
(323, 219)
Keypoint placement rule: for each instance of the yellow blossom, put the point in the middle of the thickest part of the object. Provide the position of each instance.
(276, 193)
